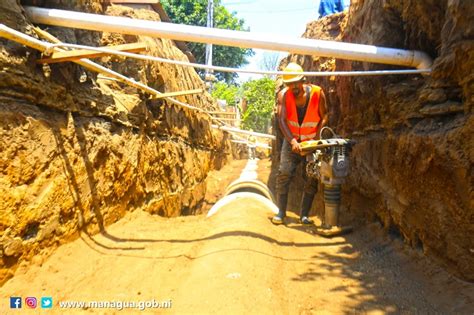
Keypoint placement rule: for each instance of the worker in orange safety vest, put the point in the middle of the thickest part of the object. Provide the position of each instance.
(301, 110)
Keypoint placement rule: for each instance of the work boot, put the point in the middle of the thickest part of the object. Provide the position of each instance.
(282, 202)
(306, 203)
(306, 221)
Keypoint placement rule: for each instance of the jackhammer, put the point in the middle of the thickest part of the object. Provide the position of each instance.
(328, 162)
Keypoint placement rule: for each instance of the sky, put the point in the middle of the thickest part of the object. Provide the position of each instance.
(285, 17)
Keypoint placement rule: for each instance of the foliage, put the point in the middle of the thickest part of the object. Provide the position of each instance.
(194, 12)
(260, 95)
(226, 92)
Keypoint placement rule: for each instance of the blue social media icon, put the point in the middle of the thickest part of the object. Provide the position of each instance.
(46, 302)
(15, 302)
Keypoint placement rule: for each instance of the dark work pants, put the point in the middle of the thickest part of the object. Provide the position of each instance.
(288, 163)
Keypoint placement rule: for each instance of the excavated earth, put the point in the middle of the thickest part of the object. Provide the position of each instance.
(412, 167)
(79, 152)
(98, 181)
(237, 262)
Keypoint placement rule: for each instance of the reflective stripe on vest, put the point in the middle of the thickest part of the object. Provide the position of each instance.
(308, 129)
(308, 137)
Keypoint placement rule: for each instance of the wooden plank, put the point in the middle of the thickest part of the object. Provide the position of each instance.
(223, 113)
(45, 35)
(86, 63)
(225, 119)
(100, 69)
(170, 94)
(63, 56)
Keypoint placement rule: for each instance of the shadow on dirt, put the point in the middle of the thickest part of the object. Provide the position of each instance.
(390, 277)
(216, 236)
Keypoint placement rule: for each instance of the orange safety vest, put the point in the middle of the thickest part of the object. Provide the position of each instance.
(308, 129)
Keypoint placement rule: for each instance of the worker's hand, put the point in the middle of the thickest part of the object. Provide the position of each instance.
(295, 146)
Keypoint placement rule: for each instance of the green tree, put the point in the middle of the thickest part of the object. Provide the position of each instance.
(260, 95)
(223, 91)
(194, 12)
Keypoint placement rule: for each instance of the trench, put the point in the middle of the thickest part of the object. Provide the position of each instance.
(236, 261)
(196, 235)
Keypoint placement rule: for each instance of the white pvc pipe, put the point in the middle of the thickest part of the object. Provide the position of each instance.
(246, 132)
(96, 22)
(257, 144)
(29, 41)
(32, 42)
(23, 39)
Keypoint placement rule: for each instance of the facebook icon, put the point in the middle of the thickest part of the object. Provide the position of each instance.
(15, 302)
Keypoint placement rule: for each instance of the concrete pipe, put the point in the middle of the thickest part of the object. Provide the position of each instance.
(239, 197)
(247, 189)
(250, 185)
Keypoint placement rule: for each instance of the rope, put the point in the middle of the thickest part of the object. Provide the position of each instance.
(228, 69)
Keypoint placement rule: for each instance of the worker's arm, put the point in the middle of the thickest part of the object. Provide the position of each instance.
(322, 111)
(285, 130)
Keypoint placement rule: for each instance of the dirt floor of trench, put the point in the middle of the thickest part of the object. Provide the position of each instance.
(237, 262)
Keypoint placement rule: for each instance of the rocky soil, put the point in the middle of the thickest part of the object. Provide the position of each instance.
(238, 262)
(412, 167)
(78, 152)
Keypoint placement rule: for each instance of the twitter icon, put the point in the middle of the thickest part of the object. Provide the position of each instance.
(46, 302)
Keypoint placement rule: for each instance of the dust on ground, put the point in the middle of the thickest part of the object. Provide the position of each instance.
(237, 262)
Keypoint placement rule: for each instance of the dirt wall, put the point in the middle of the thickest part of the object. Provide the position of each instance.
(412, 165)
(77, 152)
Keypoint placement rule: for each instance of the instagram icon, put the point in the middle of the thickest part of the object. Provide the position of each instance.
(31, 302)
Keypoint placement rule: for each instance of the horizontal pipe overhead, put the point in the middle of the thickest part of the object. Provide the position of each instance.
(276, 42)
(245, 132)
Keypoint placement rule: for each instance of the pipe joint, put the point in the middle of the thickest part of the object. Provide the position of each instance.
(421, 60)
